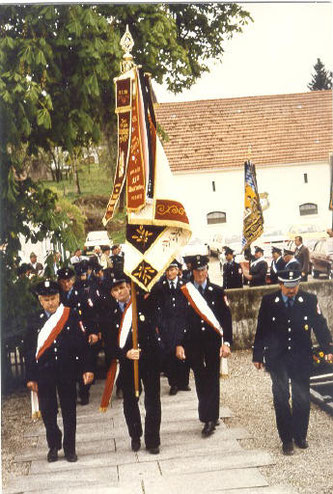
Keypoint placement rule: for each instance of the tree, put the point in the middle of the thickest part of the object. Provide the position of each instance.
(321, 79)
(57, 64)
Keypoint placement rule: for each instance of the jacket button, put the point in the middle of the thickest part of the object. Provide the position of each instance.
(202, 329)
(289, 347)
(289, 330)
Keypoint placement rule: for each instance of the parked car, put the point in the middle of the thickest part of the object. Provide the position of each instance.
(322, 258)
(216, 244)
(95, 238)
(195, 246)
(307, 231)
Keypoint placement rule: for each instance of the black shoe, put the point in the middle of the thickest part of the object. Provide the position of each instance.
(135, 444)
(154, 451)
(52, 455)
(288, 448)
(173, 390)
(71, 457)
(85, 400)
(185, 388)
(301, 443)
(208, 429)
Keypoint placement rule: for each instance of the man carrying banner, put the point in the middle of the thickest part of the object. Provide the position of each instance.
(206, 339)
(258, 269)
(117, 335)
(54, 348)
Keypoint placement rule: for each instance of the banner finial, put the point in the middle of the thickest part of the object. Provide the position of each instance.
(127, 44)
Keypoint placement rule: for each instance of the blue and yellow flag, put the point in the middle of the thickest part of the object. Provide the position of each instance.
(253, 223)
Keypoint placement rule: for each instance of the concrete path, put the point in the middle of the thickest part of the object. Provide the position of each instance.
(187, 463)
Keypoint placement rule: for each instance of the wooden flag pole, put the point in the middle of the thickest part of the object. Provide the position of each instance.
(135, 337)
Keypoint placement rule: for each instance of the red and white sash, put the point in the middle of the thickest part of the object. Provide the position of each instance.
(125, 327)
(51, 329)
(199, 304)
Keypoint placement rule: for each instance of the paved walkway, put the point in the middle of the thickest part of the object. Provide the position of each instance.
(187, 463)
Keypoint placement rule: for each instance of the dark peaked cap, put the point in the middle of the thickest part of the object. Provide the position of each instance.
(47, 287)
(65, 274)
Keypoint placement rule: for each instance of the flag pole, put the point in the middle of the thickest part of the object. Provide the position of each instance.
(135, 337)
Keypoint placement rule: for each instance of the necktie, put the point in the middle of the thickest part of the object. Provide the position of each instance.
(201, 290)
(172, 286)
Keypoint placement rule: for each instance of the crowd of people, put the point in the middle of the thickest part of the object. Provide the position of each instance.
(255, 272)
(183, 323)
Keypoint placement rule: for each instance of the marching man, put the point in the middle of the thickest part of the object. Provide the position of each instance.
(206, 339)
(55, 348)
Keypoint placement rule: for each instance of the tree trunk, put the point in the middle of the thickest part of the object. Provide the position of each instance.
(76, 173)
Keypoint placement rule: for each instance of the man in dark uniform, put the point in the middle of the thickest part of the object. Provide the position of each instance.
(117, 259)
(170, 305)
(117, 335)
(290, 261)
(302, 255)
(187, 273)
(79, 296)
(232, 271)
(283, 344)
(277, 264)
(201, 342)
(54, 347)
(258, 269)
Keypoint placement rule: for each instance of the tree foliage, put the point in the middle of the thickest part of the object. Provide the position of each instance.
(321, 79)
(57, 64)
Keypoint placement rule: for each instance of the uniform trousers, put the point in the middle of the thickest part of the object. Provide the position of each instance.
(149, 376)
(203, 355)
(49, 382)
(292, 420)
(177, 371)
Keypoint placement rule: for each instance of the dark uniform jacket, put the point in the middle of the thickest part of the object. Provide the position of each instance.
(118, 265)
(147, 335)
(84, 300)
(68, 354)
(169, 309)
(293, 264)
(196, 328)
(258, 270)
(276, 266)
(282, 334)
(232, 275)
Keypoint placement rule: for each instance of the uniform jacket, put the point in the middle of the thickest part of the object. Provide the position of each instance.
(147, 336)
(118, 264)
(276, 266)
(282, 334)
(293, 264)
(232, 275)
(196, 328)
(303, 257)
(83, 299)
(169, 310)
(258, 270)
(67, 354)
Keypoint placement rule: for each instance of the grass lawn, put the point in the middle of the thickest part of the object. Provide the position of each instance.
(94, 179)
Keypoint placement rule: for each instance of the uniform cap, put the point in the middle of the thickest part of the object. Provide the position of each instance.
(122, 278)
(288, 252)
(81, 267)
(175, 264)
(289, 278)
(277, 250)
(105, 248)
(258, 249)
(227, 250)
(65, 273)
(199, 262)
(47, 287)
(97, 267)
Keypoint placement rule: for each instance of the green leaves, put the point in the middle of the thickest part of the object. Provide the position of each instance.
(43, 118)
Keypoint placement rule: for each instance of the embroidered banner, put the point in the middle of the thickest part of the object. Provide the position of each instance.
(253, 222)
(124, 117)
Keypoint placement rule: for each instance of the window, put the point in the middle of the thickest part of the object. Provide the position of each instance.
(216, 217)
(305, 178)
(213, 185)
(308, 208)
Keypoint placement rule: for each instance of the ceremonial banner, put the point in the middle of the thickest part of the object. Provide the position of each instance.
(253, 223)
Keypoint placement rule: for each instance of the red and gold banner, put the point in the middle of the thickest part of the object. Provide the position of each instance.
(124, 116)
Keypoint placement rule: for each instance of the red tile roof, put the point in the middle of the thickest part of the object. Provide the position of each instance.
(214, 134)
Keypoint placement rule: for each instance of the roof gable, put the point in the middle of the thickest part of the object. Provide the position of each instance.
(215, 134)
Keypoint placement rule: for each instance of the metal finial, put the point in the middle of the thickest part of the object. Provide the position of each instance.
(127, 44)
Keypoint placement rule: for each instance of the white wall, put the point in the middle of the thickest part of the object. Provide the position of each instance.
(285, 187)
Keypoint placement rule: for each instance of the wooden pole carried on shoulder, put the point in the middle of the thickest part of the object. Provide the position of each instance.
(135, 337)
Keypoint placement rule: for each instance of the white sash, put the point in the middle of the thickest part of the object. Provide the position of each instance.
(202, 307)
(261, 259)
(125, 325)
(49, 325)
